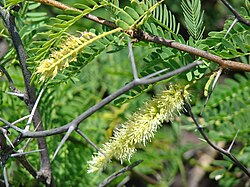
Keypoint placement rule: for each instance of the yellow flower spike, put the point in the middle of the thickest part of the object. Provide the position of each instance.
(60, 59)
(140, 128)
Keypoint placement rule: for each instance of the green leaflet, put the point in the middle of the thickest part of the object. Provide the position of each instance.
(135, 16)
(165, 18)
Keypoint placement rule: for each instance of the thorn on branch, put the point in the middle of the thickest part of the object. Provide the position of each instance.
(25, 153)
(12, 126)
(21, 119)
(155, 73)
(219, 149)
(5, 175)
(34, 109)
(231, 26)
(231, 145)
(132, 60)
(5, 134)
(20, 95)
(91, 143)
(71, 128)
(218, 74)
(28, 141)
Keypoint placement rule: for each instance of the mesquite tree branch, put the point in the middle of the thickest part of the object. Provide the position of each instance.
(30, 99)
(144, 36)
(76, 122)
(222, 151)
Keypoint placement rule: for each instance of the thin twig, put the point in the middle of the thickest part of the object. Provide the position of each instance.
(222, 151)
(119, 173)
(13, 88)
(12, 85)
(88, 16)
(225, 64)
(236, 14)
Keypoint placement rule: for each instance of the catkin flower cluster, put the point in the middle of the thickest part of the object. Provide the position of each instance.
(60, 59)
(140, 128)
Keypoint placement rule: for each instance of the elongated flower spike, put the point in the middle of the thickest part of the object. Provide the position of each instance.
(60, 59)
(140, 128)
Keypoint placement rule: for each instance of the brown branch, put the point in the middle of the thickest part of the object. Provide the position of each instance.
(144, 36)
(225, 64)
(88, 16)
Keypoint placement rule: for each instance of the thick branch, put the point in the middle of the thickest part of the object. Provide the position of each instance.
(197, 52)
(30, 99)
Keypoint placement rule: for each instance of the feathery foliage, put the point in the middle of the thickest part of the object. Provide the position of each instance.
(193, 18)
(64, 45)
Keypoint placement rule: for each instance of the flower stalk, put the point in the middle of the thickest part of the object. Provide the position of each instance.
(141, 127)
(68, 53)
(60, 59)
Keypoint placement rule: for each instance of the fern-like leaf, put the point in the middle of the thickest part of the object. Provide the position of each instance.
(193, 18)
(165, 18)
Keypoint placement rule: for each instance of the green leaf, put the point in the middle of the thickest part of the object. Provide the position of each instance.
(132, 12)
(193, 18)
(124, 16)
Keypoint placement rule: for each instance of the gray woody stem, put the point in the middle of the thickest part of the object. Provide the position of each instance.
(30, 99)
(222, 151)
(236, 14)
